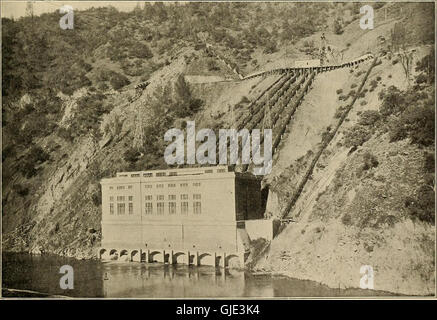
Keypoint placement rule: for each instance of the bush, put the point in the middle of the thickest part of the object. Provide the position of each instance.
(141, 51)
(20, 190)
(369, 118)
(131, 155)
(416, 123)
(370, 161)
(346, 219)
(338, 28)
(118, 81)
(422, 207)
(429, 163)
(392, 101)
(356, 136)
(339, 91)
(35, 156)
(212, 65)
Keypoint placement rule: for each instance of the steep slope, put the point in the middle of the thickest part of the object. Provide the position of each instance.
(370, 198)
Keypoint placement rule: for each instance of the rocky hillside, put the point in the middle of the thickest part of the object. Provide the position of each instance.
(356, 177)
(354, 169)
(72, 115)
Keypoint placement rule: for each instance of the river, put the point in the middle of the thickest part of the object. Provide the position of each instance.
(27, 275)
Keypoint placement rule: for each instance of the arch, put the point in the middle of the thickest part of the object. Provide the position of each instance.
(206, 258)
(153, 254)
(180, 257)
(101, 252)
(113, 254)
(124, 255)
(233, 261)
(135, 255)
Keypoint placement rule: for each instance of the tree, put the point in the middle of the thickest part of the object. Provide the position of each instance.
(338, 28)
(399, 41)
(427, 66)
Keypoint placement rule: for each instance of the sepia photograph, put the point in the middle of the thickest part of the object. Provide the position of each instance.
(218, 149)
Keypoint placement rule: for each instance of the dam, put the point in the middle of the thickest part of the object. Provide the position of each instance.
(199, 216)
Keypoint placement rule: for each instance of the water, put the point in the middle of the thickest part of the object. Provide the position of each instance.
(39, 276)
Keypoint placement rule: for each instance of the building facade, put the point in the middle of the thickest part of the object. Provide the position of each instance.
(186, 212)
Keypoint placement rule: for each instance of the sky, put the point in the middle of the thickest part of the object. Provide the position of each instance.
(17, 9)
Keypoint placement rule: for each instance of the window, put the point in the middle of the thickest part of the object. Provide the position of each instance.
(161, 174)
(173, 173)
(208, 171)
(130, 198)
(131, 208)
(148, 198)
(171, 197)
(197, 207)
(221, 170)
(111, 198)
(120, 208)
(160, 207)
(160, 185)
(147, 174)
(196, 196)
(196, 184)
(184, 207)
(111, 188)
(134, 175)
(184, 196)
(120, 187)
(160, 197)
(148, 186)
(184, 185)
(171, 185)
(111, 209)
(120, 198)
(172, 207)
(130, 187)
(149, 208)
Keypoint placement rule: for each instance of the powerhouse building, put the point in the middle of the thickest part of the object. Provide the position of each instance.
(179, 210)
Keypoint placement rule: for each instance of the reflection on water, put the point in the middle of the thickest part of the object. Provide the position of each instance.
(140, 280)
(155, 280)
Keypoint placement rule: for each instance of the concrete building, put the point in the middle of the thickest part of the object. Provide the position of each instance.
(193, 215)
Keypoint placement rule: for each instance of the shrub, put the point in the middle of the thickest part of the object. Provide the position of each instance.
(338, 28)
(339, 91)
(356, 136)
(416, 123)
(118, 81)
(369, 118)
(346, 219)
(370, 161)
(35, 156)
(20, 190)
(429, 163)
(422, 207)
(392, 101)
(131, 155)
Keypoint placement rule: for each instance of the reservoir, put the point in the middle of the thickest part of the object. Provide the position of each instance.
(27, 275)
